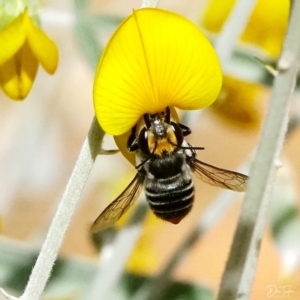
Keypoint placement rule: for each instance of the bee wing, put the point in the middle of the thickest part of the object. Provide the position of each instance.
(219, 177)
(120, 205)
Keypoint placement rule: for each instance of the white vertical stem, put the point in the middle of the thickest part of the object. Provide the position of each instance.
(238, 276)
(149, 3)
(48, 254)
(232, 30)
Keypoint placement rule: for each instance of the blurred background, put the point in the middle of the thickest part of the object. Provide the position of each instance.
(41, 138)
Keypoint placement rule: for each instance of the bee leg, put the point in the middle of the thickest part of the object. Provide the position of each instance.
(132, 143)
(168, 115)
(185, 129)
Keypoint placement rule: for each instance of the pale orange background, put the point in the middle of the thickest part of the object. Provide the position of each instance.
(66, 104)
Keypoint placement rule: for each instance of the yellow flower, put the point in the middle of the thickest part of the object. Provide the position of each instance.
(240, 102)
(23, 47)
(155, 59)
(266, 27)
(143, 259)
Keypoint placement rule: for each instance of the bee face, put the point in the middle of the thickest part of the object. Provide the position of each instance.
(160, 136)
(165, 171)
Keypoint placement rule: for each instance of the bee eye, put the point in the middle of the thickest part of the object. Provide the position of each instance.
(178, 133)
(143, 141)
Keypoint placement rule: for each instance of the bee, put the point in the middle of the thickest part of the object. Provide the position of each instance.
(165, 163)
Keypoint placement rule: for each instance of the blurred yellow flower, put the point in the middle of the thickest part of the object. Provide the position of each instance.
(155, 59)
(240, 102)
(266, 26)
(143, 259)
(23, 47)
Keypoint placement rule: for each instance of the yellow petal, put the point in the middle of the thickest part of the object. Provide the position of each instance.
(267, 30)
(42, 46)
(155, 59)
(143, 259)
(12, 37)
(18, 73)
(121, 140)
(266, 27)
(216, 14)
(240, 103)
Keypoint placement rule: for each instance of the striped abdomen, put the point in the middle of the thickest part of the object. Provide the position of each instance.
(169, 187)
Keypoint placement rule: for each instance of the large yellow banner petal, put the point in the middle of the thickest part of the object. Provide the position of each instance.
(155, 59)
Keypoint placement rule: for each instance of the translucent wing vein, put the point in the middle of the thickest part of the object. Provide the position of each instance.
(120, 205)
(219, 177)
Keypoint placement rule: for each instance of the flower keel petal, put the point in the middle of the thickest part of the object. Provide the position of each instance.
(18, 73)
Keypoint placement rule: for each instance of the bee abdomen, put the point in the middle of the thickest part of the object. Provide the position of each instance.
(171, 202)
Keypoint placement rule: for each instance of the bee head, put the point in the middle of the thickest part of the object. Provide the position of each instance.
(160, 136)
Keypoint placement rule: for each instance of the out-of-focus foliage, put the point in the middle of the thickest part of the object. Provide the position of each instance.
(9, 10)
(285, 220)
(91, 29)
(71, 278)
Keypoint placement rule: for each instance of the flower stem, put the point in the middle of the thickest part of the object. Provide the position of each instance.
(232, 30)
(48, 254)
(149, 3)
(238, 276)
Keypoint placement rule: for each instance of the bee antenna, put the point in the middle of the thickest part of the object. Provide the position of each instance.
(193, 148)
(147, 120)
(190, 147)
(142, 163)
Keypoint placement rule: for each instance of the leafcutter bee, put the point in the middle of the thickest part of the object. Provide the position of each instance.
(165, 166)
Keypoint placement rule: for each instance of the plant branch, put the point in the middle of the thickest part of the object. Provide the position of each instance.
(149, 3)
(48, 254)
(232, 30)
(238, 276)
